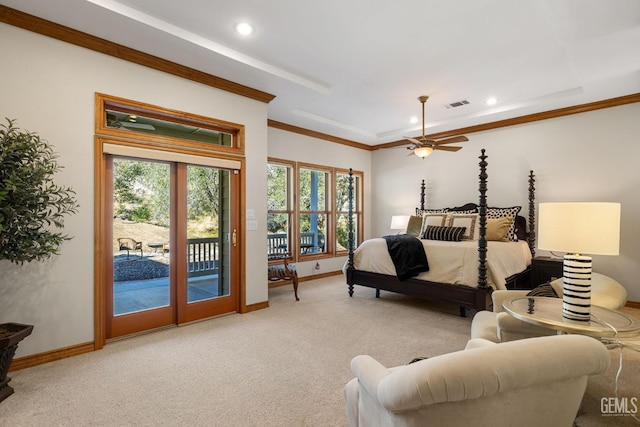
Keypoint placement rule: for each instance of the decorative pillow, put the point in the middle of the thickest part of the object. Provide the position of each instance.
(470, 208)
(449, 234)
(544, 290)
(420, 212)
(414, 226)
(439, 219)
(498, 229)
(493, 213)
(470, 221)
(434, 219)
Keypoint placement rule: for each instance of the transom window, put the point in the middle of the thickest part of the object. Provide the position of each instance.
(150, 125)
(124, 118)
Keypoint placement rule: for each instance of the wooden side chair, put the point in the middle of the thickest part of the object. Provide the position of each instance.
(129, 244)
(280, 269)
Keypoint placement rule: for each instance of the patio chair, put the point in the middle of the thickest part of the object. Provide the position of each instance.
(129, 244)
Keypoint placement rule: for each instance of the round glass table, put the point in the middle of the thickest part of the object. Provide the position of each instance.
(547, 312)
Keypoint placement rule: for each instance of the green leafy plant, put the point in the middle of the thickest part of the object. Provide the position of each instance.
(32, 206)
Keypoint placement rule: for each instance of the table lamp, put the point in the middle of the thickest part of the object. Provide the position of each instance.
(399, 222)
(580, 229)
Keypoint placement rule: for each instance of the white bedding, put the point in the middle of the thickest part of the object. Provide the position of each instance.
(451, 262)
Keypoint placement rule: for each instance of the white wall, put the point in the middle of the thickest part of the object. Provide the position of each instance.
(295, 147)
(585, 157)
(49, 87)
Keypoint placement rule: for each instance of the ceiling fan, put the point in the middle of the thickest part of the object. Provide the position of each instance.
(424, 146)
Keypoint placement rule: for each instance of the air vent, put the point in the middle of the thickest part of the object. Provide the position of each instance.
(457, 104)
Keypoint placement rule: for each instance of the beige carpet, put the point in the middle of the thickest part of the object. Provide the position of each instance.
(283, 366)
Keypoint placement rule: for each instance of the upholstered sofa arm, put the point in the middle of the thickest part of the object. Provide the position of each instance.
(481, 371)
(369, 372)
(478, 342)
(500, 296)
(509, 328)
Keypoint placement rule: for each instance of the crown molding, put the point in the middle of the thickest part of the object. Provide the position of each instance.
(60, 32)
(551, 114)
(319, 135)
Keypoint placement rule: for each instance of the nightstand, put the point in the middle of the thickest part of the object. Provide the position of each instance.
(545, 269)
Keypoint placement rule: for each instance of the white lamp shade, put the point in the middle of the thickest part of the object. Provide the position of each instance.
(580, 228)
(399, 222)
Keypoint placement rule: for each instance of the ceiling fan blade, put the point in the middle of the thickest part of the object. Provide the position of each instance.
(415, 141)
(437, 147)
(452, 140)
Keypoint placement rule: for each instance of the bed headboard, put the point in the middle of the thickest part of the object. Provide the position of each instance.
(524, 229)
(521, 222)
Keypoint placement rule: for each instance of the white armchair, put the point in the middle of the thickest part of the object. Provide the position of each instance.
(498, 326)
(531, 382)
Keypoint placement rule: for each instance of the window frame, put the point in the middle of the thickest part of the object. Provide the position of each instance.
(331, 210)
(358, 210)
(290, 210)
(108, 102)
(109, 141)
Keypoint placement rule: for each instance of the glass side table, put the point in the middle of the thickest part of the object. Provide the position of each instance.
(547, 312)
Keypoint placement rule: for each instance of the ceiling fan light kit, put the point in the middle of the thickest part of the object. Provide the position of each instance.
(422, 152)
(423, 147)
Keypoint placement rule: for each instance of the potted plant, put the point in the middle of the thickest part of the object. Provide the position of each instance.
(32, 211)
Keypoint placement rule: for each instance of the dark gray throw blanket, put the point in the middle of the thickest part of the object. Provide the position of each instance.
(407, 254)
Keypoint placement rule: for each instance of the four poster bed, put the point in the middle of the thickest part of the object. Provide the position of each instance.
(463, 271)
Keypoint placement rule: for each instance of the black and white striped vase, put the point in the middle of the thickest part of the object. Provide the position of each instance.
(576, 289)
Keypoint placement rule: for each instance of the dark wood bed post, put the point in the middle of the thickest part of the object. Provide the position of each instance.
(350, 234)
(531, 237)
(422, 195)
(482, 214)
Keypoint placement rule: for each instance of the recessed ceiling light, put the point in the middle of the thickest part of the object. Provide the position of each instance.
(491, 101)
(413, 120)
(244, 28)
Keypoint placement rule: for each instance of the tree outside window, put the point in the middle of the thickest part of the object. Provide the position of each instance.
(342, 209)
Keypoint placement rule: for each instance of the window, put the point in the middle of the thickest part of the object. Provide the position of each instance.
(342, 210)
(308, 209)
(125, 118)
(189, 130)
(279, 208)
(313, 209)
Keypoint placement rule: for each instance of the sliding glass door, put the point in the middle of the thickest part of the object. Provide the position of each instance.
(174, 243)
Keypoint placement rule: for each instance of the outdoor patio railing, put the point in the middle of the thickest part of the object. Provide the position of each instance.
(277, 243)
(203, 256)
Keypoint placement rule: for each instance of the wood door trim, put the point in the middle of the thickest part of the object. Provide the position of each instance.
(102, 273)
(99, 258)
(180, 233)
